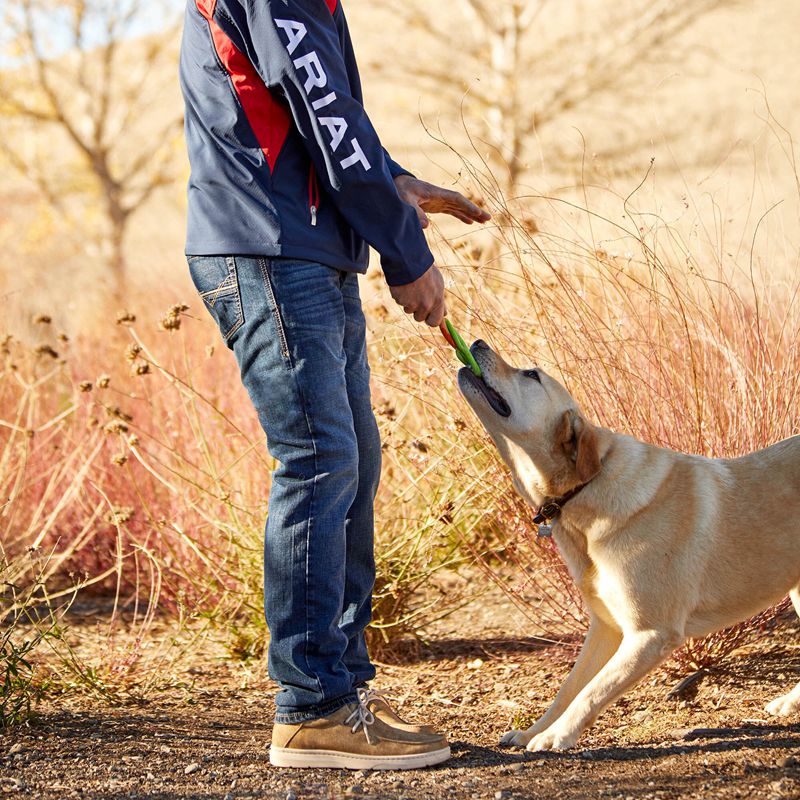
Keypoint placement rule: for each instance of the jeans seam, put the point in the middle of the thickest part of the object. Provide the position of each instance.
(304, 405)
(231, 261)
(309, 525)
(276, 312)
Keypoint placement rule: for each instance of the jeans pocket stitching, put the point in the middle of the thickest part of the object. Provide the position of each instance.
(276, 312)
(234, 273)
(229, 287)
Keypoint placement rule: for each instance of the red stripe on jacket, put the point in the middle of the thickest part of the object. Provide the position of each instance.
(269, 119)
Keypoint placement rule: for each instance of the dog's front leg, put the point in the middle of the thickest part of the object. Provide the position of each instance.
(639, 652)
(600, 644)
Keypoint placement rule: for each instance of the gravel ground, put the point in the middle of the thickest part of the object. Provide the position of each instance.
(213, 742)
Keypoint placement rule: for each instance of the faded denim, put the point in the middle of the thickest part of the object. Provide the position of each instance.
(298, 333)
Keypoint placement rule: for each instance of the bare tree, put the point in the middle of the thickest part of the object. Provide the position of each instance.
(83, 75)
(529, 71)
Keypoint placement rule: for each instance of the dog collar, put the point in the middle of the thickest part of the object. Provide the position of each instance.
(551, 509)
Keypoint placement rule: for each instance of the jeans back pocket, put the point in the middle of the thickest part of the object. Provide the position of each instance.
(217, 283)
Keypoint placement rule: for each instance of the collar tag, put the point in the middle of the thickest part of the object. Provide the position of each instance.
(544, 516)
(547, 512)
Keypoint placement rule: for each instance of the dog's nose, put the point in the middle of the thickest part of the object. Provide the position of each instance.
(480, 343)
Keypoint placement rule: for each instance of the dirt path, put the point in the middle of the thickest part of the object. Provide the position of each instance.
(716, 744)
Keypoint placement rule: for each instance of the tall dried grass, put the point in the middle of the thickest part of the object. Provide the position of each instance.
(137, 476)
(137, 480)
(691, 345)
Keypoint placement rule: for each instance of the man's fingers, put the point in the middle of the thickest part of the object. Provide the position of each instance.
(434, 319)
(454, 203)
(423, 298)
(461, 204)
(421, 215)
(459, 214)
(462, 217)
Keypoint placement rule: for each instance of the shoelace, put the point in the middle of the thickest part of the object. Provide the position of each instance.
(361, 717)
(369, 695)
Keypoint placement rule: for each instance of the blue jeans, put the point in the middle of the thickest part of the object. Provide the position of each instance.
(298, 333)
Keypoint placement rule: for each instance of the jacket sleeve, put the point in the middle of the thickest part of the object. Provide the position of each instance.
(297, 51)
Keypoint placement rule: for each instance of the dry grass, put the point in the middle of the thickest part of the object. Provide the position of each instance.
(653, 335)
(135, 469)
(137, 477)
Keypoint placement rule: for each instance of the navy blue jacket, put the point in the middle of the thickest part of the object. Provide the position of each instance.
(284, 160)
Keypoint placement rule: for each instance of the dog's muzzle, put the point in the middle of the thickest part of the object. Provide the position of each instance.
(495, 400)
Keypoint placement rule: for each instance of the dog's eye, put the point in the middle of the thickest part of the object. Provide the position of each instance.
(532, 373)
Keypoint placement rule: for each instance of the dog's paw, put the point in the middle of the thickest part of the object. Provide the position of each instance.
(783, 706)
(552, 739)
(515, 739)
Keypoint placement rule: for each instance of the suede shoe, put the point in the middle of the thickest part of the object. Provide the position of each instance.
(380, 706)
(354, 738)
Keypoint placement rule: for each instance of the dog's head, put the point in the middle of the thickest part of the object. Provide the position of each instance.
(535, 423)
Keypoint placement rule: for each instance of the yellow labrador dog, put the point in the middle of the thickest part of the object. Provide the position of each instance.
(663, 546)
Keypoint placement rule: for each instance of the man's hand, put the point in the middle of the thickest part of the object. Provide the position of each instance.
(425, 197)
(424, 298)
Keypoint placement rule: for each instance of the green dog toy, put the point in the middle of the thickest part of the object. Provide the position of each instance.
(462, 351)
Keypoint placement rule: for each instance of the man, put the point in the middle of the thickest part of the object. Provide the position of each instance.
(289, 185)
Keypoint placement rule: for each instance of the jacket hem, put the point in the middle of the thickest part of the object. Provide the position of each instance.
(230, 248)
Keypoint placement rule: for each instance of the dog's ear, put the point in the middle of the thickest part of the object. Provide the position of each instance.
(579, 440)
(588, 460)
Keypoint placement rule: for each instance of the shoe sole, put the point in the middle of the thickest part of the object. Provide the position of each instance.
(310, 759)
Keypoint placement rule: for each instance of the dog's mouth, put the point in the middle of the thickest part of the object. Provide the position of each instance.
(495, 400)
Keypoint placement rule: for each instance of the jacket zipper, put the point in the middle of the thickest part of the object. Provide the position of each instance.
(313, 194)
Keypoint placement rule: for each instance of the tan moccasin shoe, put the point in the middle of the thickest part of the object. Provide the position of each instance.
(380, 706)
(354, 738)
